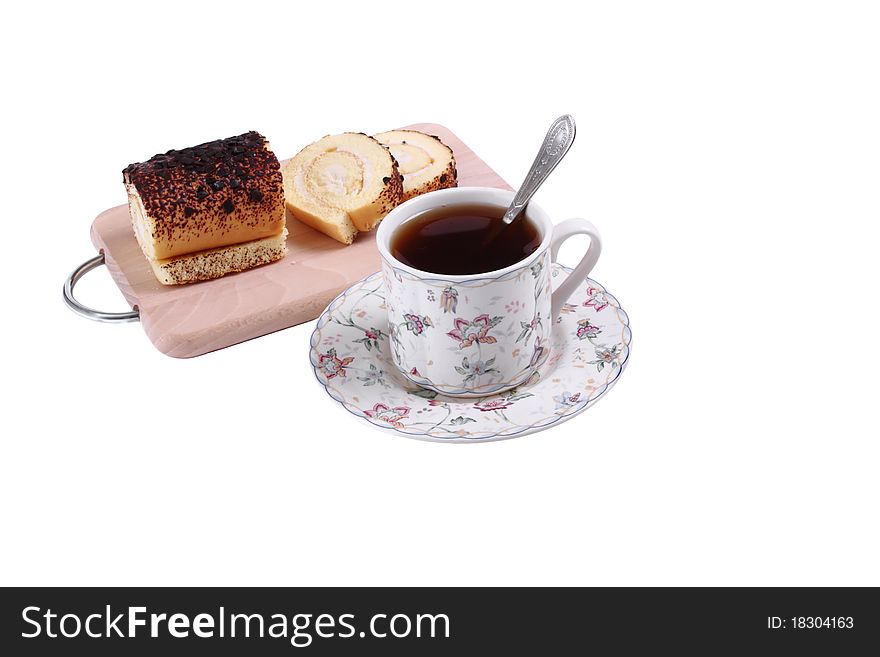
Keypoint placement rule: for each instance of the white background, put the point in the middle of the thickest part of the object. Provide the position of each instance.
(730, 155)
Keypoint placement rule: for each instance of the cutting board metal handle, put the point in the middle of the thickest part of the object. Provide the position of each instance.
(85, 311)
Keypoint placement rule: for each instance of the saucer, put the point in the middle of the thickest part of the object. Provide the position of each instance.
(350, 354)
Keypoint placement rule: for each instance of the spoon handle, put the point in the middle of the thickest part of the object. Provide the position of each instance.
(556, 144)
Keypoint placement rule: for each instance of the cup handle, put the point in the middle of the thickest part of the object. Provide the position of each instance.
(562, 232)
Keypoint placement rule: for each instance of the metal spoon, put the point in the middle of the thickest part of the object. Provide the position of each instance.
(556, 144)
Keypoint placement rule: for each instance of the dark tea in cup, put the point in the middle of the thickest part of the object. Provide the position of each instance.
(463, 239)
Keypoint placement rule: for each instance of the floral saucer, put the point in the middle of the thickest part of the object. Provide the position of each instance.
(351, 356)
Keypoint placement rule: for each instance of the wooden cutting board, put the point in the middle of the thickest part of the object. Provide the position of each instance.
(189, 320)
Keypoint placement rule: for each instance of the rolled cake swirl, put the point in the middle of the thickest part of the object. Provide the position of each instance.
(342, 184)
(426, 162)
(202, 212)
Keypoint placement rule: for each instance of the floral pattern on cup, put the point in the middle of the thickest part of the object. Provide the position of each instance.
(372, 387)
(480, 317)
(416, 323)
(472, 370)
(449, 299)
(476, 330)
(529, 327)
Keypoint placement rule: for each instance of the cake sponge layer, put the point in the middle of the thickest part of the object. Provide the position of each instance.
(214, 263)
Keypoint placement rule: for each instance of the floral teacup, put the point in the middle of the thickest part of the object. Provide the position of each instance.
(479, 334)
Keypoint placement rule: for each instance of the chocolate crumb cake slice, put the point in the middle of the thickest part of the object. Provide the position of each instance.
(202, 212)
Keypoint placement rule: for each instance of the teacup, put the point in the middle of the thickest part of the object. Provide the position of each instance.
(478, 334)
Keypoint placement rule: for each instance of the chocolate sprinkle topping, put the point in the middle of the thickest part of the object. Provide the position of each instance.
(176, 187)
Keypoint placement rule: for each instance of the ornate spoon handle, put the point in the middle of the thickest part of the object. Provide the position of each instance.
(556, 144)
